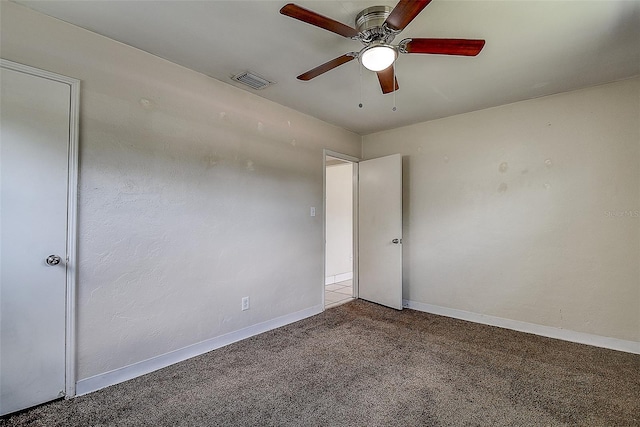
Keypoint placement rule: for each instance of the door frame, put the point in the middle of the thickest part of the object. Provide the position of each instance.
(354, 161)
(72, 197)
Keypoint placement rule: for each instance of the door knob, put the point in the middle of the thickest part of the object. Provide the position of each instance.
(53, 260)
(396, 241)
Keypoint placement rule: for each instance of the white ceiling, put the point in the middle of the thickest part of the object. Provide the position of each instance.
(533, 48)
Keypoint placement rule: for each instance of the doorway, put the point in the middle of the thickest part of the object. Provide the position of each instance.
(339, 276)
(375, 255)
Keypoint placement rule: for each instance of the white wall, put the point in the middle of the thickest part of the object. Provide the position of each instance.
(528, 211)
(186, 203)
(339, 219)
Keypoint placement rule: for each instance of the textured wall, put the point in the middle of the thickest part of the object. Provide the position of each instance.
(192, 194)
(529, 211)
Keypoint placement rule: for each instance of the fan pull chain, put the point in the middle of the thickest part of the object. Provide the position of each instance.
(394, 87)
(360, 104)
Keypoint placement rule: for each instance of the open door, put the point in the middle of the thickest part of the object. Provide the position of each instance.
(380, 230)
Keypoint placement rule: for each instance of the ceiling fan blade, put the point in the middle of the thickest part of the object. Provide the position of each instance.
(318, 20)
(404, 12)
(327, 66)
(387, 78)
(444, 46)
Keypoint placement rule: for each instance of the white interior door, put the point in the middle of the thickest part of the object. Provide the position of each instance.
(34, 161)
(380, 230)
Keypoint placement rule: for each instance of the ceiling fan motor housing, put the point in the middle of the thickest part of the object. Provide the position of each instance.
(370, 22)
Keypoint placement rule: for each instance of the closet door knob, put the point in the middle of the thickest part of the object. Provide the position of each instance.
(53, 260)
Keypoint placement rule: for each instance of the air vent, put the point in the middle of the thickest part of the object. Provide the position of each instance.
(252, 80)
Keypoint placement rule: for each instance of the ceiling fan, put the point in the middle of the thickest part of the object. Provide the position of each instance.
(376, 27)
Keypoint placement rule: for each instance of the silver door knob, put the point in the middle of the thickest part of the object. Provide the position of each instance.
(396, 241)
(53, 260)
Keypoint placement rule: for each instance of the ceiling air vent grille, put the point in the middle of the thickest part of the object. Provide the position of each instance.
(252, 80)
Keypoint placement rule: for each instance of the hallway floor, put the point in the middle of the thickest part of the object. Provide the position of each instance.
(338, 293)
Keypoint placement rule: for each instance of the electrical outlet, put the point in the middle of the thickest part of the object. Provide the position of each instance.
(245, 303)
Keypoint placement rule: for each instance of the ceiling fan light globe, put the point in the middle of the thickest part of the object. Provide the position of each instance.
(378, 57)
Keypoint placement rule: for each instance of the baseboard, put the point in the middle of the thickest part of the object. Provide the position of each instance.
(125, 373)
(531, 328)
(328, 280)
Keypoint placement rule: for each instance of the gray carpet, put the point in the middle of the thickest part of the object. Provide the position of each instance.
(364, 365)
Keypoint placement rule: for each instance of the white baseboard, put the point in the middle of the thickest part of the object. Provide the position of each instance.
(125, 373)
(328, 280)
(531, 328)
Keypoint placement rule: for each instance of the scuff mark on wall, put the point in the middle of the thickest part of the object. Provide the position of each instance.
(212, 160)
(147, 104)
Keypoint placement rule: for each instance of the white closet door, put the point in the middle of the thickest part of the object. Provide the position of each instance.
(35, 132)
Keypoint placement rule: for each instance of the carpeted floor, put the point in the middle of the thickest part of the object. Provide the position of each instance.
(361, 364)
